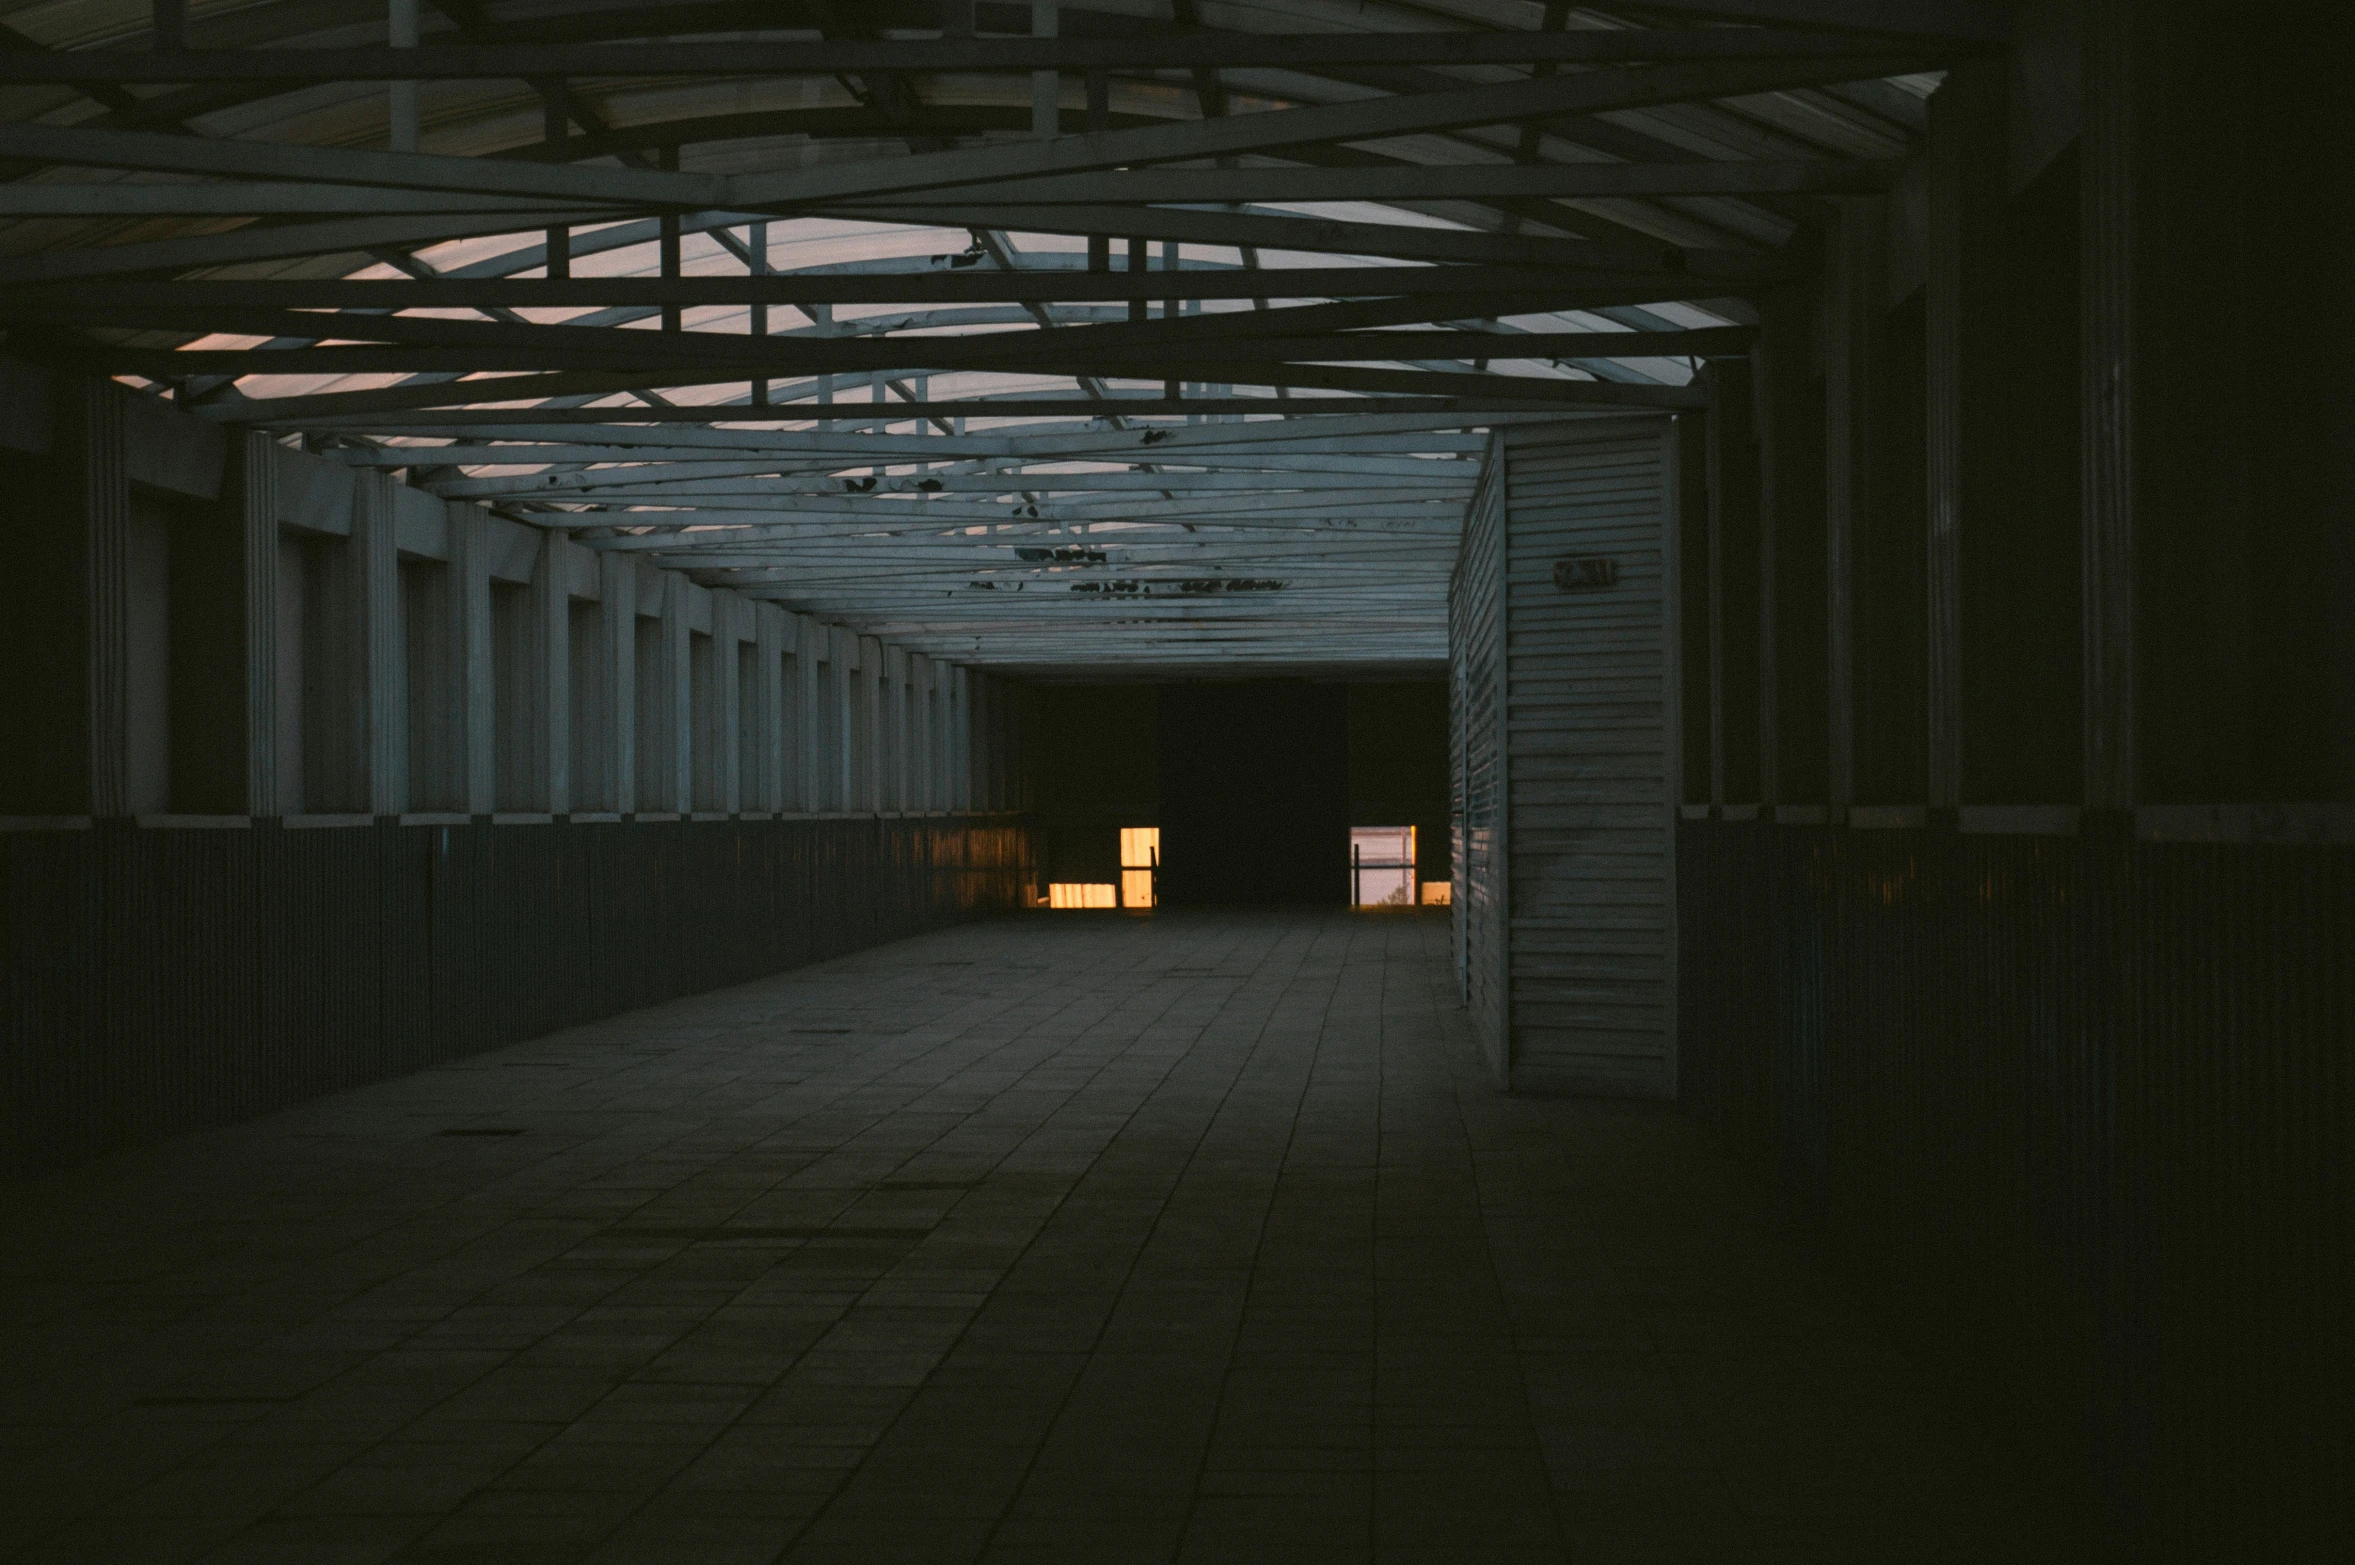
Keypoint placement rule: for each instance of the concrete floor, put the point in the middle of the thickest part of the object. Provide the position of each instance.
(1067, 1237)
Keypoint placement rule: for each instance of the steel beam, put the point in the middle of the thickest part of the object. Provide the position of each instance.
(823, 57)
(1427, 182)
(137, 302)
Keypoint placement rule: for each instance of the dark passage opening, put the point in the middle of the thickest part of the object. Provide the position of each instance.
(1254, 793)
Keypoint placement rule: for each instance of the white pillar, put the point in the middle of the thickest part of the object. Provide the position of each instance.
(256, 484)
(474, 724)
(900, 672)
(919, 767)
(771, 639)
(977, 741)
(676, 710)
(620, 586)
(1046, 87)
(843, 768)
(728, 632)
(808, 640)
(376, 548)
(91, 445)
(960, 756)
(401, 97)
(551, 607)
(944, 793)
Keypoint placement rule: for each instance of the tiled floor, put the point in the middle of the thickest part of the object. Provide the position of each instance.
(1067, 1238)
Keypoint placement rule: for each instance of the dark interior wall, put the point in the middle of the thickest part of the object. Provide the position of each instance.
(160, 980)
(44, 765)
(1890, 675)
(1398, 765)
(1096, 767)
(2021, 582)
(1254, 792)
(1253, 782)
(2073, 1110)
(2244, 466)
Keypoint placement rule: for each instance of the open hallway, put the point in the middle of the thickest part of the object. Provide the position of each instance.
(1052, 1237)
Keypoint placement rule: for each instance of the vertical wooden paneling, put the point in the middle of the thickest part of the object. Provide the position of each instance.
(98, 495)
(158, 980)
(2107, 206)
(1475, 608)
(2074, 1109)
(1590, 736)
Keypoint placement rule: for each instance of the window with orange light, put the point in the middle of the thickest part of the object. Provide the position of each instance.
(1140, 862)
(1382, 866)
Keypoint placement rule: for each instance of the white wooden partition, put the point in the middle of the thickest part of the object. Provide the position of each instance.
(1563, 616)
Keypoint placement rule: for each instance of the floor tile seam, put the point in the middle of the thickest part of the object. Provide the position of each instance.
(1557, 1155)
(1136, 1258)
(849, 1475)
(507, 1361)
(1202, 1461)
(1127, 1120)
(275, 1512)
(410, 1336)
(1382, 1166)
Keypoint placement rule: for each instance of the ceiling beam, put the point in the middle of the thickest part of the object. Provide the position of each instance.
(830, 56)
(1212, 331)
(255, 199)
(1974, 21)
(135, 302)
(436, 344)
(356, 236)
(1487, 391)
(1435, 182)
(1364, 119)
(1427, 182)
(1355, 424)
(154, 152)
(671, 423)
(1265, 231)
(1257, 230)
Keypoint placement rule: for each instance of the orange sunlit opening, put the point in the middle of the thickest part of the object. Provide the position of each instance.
(1140, 857)
(1080, 893)
(1382, 866)
(1438, 893)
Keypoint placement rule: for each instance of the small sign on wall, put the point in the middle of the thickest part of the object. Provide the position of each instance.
(1588, 573)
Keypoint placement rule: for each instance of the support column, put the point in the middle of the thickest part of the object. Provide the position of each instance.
(90, 452)
(886, 674)
(944, 732)
(551, 610)
(1964, 305)
(1693, 670)
(961, 739)
(977, 740)
(808, 641)
(727, 634)
(2107, 230)
(253, 490)
(1851, 327)
(872, 675)
(475, 723)
(1733, 589)
(1046, 87)
(619, 582)
(376, 550)
(768, 696)
(917, 769)
(673, 749)
(1791, 571)
(401, 32)
(842, 766)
